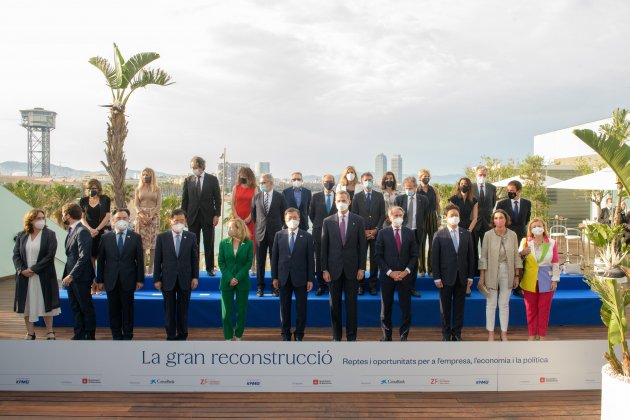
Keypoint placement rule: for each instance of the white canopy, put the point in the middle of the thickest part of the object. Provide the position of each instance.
(602, 180)
(549, 180)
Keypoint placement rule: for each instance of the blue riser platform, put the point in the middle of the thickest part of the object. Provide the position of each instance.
(573, 304)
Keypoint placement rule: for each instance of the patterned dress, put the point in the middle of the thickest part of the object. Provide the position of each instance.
(147, 205)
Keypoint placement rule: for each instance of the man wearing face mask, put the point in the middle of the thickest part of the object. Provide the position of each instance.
(176, 274)
(120, 271)
(268, 208)
(344, 250)
(453, 262)
(486, 194)
(292, 269)
(322, 206)
(370, 205)
(417, 206)
(299, 198)
(397, 255)
(201, 200)
(606, 213)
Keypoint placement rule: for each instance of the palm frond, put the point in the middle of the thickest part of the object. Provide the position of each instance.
(149, 77)
(118, 66)
(136, 64)
(106, 68)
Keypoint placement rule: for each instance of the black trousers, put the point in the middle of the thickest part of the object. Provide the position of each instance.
(349, 288)
(120, 305)
(373, 265)
(452, 300)
(207, 228)
(261, 259)
(317, 241)
(286, 293)
(387, 300)
(80, 297)
(176, 312)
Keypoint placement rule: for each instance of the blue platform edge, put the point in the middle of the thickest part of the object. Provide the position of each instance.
(573, 304)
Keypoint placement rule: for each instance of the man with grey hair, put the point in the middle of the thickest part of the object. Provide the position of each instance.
(486, 194)
(298, 197)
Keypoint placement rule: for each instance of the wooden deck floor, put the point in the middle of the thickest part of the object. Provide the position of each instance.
(554, 404)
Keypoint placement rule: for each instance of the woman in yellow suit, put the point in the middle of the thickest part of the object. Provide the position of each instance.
(235, 259)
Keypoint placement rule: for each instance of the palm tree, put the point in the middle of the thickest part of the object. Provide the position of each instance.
(123, 78)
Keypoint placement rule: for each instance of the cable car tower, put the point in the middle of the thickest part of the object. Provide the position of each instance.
(38, 123)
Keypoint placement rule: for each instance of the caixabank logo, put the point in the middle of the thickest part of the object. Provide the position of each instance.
(390, 381)
(162, 381)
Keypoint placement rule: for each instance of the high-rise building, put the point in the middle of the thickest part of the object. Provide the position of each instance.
(231, 174)
(262, 168)
(380, 167)
(397, 168)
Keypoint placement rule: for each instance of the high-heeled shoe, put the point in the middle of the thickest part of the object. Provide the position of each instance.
(50, 335)
(29, 336)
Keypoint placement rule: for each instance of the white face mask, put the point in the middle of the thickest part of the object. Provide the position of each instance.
(293, 224)
(350, 177)
(342, 206)
(121, 225)
(453, 221)
(297, 184)
(39, 224)
(197, 172)
(398, 221)
(537, 231)
(481, 180)
(178, 227)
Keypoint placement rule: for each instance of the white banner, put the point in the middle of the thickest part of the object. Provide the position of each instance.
(299, 366)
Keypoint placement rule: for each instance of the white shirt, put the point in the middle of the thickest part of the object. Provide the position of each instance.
(269, 196)
(200, 178)
(413, 201)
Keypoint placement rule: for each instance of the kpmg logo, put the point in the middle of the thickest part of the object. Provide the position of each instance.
(386, 381)
(22, 381)
(161, 381)
(253, 382)
(482, 381)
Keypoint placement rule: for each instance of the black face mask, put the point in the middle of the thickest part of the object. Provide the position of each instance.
(93, 193)
(389, 183)
(425, 181)
(511, 195)
(243, 180)
(66, 222)
(465, 188)
(329, 185)
(147, 179)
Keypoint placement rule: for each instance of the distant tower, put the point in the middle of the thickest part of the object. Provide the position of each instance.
(397, 167)
(263, 168)
(380, 167)
(39, 123)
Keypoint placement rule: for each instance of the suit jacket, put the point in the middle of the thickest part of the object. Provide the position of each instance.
(348, 258)
(375, 215)
(299, 265)
(205, 205)
(127, 268)
(44, 268)
(604, 216)
(305, 203)
(524, 213)
(170, 268)
(79, 255)
(450, 265)
(486, 206)
(388, 256)
(422, 206)
(268, 224)
(317, 212)
(235, 266)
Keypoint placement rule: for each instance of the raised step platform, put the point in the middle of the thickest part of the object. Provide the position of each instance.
(573, 304)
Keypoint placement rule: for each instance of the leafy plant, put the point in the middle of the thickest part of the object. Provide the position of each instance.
(601, 234)
(169, 203)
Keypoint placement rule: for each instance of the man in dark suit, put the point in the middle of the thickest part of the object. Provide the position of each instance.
(344, 248)
(415, 208)
(606, 213)
(299, 198)
(292, 269)
(453, 270)
(520, 210)
(120, 271)
(176, 273)
(397, 255)
(201, 200)
(268, 208)
(322, 206)
(370, 205)
(486, 194)
(78, 273)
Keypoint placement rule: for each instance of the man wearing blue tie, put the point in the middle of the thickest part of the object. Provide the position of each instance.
(292, 270)
(322, 206)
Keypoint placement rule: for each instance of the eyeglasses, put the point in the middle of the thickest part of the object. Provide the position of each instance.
(296, 179)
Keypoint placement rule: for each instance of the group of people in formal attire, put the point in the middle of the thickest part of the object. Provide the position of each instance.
(353, 224)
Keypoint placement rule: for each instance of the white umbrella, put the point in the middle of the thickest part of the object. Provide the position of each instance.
(549, 180)
(601, 180)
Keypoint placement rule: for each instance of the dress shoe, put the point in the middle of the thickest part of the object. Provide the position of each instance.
(211, 273)
(446, 337)
(457, 337)
(275, 292)
(320, 291)
(403, 338)
(286, 338)
(518, 292)
(259, 292)
(297, 338)
(415, 293)
(373, 291)
(385, 339)
(360, 291)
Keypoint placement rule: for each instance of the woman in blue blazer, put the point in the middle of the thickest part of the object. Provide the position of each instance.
(235, 259)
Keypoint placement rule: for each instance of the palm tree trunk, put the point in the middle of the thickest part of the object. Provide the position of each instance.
(116, 165)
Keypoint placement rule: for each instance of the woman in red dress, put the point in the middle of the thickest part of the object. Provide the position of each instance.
(242, 195)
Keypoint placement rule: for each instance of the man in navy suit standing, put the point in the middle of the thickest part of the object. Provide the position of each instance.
(176, 273)
(292, 270)
(322, 206)
(397, 255)
(344, 249)
(120, 271)
(299, 198)
(453, 266)
(78, 273)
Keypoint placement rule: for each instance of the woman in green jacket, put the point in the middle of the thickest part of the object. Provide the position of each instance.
(235, 259)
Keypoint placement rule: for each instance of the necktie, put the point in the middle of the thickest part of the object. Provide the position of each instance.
(292, 242)
(328, 203)
(199, 184)
(120, 243)
(482, 193)
(69, 236)
(369, 201)
(410, 215)
(397, 236)
(266, 203)
(178, 242)
(515, 212)
(342, 230)
(455, 239)
(298, 197)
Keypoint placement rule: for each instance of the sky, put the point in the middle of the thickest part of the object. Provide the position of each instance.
(315, 85)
